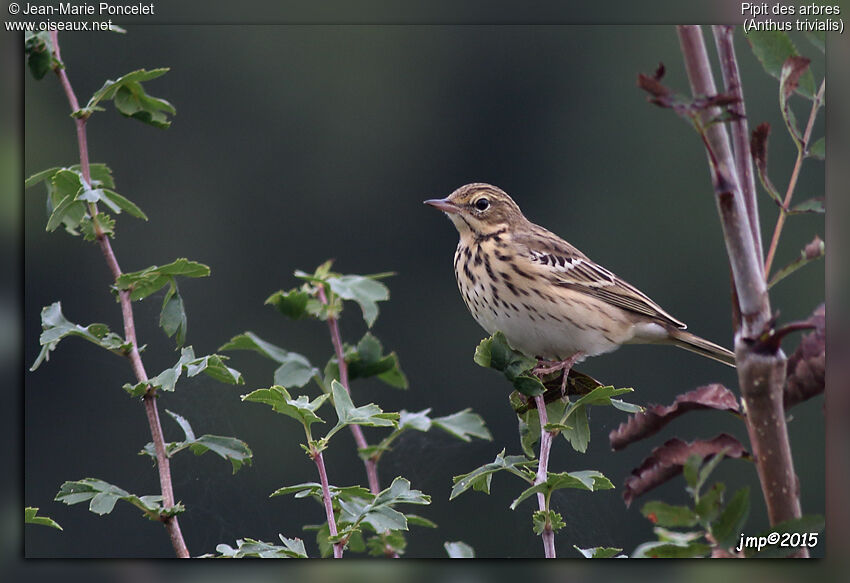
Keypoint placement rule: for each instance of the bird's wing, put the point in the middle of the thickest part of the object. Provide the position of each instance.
(564, 265)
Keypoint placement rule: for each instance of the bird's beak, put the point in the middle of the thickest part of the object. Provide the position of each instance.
(443, 205)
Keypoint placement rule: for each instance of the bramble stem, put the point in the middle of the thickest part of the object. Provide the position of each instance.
(359, 438)
(163, 465)
(542, 471)
(792, 182)
(326, 499)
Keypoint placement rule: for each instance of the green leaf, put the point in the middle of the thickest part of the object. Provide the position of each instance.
(387, 543)
(495, 352)
(295, 369)
(810, 523)
(314, 489)
(151, 279)
(229, 448)
(479, 478)
(792, 73)
(55, 327)
(464, 425)
(365, 291)
(664, 514)
(418, 421)
(709, 504)
(415, 520)
(590, 480)
(672, 551)
(89, 226)
(172, 317)
(772, 49)
(369, 415)
(811, 252)
(293, 548)
(103, 497)
(541, 518)
(120, 203)
(728, 526)
(600, 552)
(813, 205)
(818, 149)
(708, 467)
(690, 470)
(301, 409)
(38, 49)
(292, 304)
(131, 99)
(39, 177)
(379, 512)
(367, 360)
(212, 365)
(31, 517)
(70, 213)
(459, 550)
(529, 424)
(578, 431)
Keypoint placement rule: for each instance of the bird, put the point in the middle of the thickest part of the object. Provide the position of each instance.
(550, 300)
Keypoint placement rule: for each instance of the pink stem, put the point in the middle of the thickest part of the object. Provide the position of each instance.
(162, 461)
(326, 498)
(542, 470)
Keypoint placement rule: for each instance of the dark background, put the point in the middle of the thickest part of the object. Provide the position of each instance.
(294, 144)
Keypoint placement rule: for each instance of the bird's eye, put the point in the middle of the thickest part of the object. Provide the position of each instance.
(482, 204)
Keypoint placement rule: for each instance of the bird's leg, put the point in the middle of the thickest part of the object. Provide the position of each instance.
(545, 367)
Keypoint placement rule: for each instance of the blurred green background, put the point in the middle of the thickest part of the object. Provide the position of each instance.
(294, 144)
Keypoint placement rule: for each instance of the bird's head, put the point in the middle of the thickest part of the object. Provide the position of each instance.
(479, 209)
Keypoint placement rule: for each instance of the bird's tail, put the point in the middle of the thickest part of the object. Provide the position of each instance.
(702, 346)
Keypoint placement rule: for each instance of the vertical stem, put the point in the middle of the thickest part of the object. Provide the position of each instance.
(548, 534)
(326, 499)
(163, 464)
(723, 38)
(359, 438)
(761, 369)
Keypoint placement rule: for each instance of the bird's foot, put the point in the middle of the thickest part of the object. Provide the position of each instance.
(545, 367)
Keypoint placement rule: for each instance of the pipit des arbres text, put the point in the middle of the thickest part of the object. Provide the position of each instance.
(549, 299)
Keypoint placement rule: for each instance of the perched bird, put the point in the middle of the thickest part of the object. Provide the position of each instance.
(549, 299)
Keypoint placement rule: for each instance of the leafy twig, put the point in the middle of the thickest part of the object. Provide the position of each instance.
(542, 470)
(802, 150)
(151, 411)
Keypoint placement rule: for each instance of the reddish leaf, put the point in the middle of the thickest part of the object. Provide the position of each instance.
(642, 425)
(666, 461)
(796, 66)
(806, 366)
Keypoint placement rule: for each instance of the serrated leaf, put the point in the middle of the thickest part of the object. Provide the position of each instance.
(459, 550)
(31, 517)
(55, 327)
(172, 317)
(529, 424)
(480, 477)
(369, 415)
(600, 552)
(68, 212)
(295, 369)
(293, 548)
(131, 99)
(772, 49)
(416, 520)
(418, 420)
(379, 512)
(103, 496)
(541, 518)
(292, 303)
(464, 425)
(122, 203)
(38, 49)
(314, 489)
(150, 280)
(577, 433)
(40, 177)
(229, 448)
(709, 503)
(663, 550)
(732, 519)
(387, 543)
(668, 515)
(365, 291)
(367, 360)
(102, 222)
(590, 480)
(301, 409)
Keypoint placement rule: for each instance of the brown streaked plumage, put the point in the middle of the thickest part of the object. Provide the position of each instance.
(549, 299)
